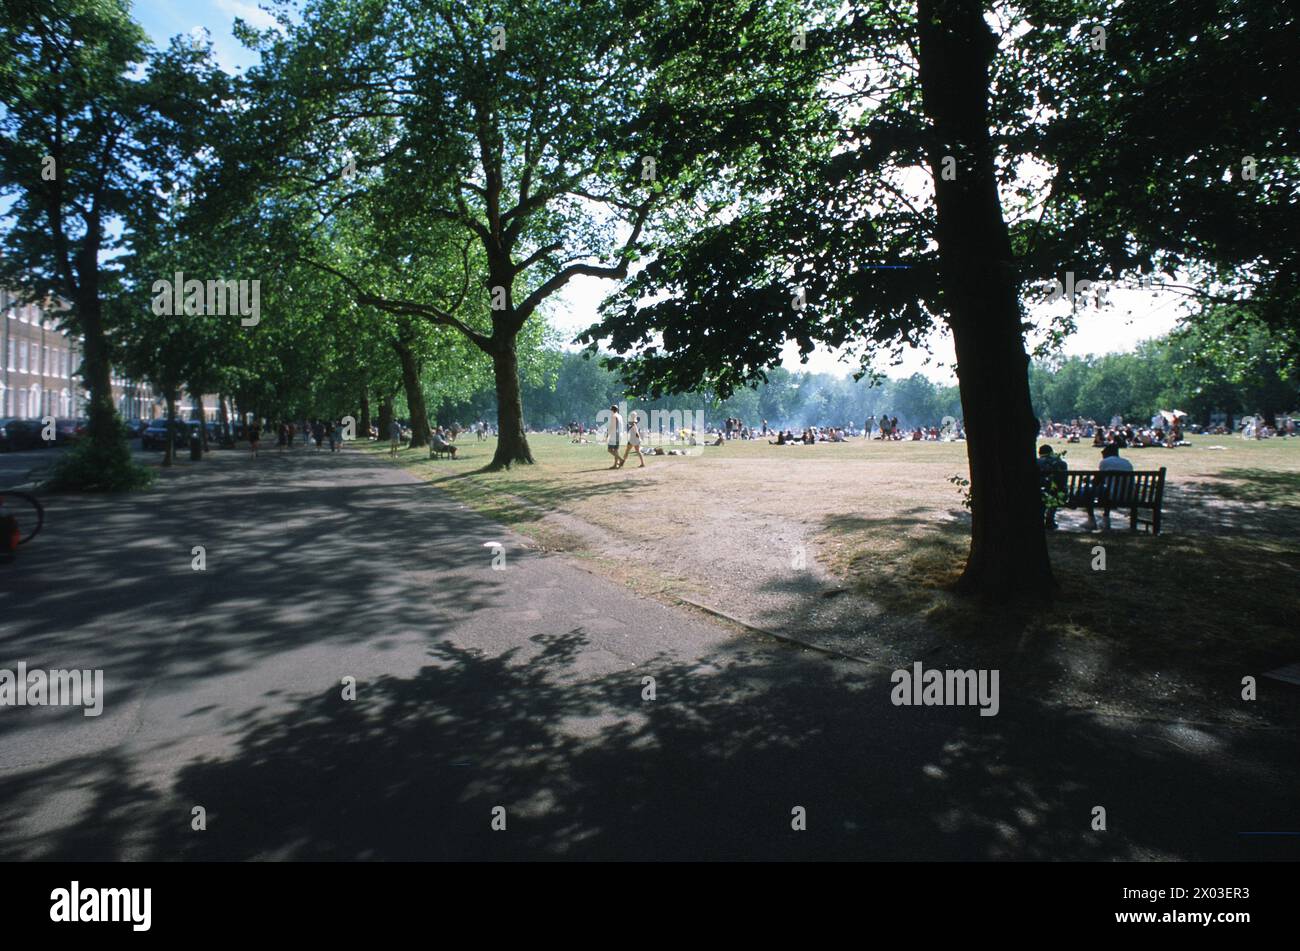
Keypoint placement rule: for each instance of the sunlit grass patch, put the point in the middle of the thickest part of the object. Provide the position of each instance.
(1218, 587)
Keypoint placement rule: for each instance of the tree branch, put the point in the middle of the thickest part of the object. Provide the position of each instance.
(405, 307)
(562, 277)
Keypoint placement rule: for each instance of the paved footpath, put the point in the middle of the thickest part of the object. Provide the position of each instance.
(525, 689)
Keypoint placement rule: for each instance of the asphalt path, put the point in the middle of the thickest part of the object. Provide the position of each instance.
(28, 465)
(517, 695)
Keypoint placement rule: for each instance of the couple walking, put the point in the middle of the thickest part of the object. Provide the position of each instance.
(615, 435)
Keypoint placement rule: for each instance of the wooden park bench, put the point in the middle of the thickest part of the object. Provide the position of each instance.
(438, 452)
(1138, 491)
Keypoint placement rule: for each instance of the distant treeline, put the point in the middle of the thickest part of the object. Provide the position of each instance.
(1172, 372)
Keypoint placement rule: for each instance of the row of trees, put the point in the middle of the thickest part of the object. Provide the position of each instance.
(413, 184)
(1223, 363)
(1238, 370)
(574, 387)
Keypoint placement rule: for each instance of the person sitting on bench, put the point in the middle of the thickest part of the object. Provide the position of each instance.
(1052, 471)
(440, 445)
(1108, 490)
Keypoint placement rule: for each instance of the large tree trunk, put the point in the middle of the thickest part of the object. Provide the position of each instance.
(203, 421)
(1008, 553)
(512, 443)
(385, 418)
(96, 371)
(414, 395)
(365, 414)
(169, 452)
(225, 419)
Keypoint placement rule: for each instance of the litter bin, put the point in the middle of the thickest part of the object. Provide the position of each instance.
(196, 447)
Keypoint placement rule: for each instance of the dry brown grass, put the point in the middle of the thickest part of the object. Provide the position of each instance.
(1216, 592)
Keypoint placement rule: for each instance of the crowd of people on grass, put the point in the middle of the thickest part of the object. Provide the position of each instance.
(1166, 429)
(1258, 427)
(883, 428)
(810, 436)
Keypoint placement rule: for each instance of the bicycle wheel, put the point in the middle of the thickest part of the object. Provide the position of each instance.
(26, 510)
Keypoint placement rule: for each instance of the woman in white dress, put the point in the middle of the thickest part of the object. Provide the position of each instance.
(633, 441)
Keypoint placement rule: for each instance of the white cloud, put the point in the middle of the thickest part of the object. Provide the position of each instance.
(253, 14)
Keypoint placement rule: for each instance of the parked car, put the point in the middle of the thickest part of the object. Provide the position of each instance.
(136, 427)
(155, 435)
(67, 431)
(20, 434)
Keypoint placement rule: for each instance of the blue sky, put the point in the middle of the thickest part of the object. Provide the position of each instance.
(163, 19)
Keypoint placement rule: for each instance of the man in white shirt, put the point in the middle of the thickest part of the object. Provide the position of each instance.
(613, 437)
(1109, 490)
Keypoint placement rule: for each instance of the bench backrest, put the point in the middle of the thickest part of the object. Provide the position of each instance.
(1141, 488)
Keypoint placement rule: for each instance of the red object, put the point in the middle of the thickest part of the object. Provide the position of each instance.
(9, 534)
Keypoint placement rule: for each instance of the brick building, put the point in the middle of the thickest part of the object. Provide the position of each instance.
(38, 369)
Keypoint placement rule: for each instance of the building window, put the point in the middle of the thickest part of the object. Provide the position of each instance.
(22, 356)
(12, 345)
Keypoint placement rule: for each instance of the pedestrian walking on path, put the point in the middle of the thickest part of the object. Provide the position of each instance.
(633, 441)
(615, 431)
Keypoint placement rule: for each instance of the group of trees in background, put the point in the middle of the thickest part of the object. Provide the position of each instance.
(1222, 364)
(1245, 370)
(413, 184)
(573, 387)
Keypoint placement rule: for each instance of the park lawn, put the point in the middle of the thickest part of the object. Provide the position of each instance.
(1221, 584)
(1215, 592)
